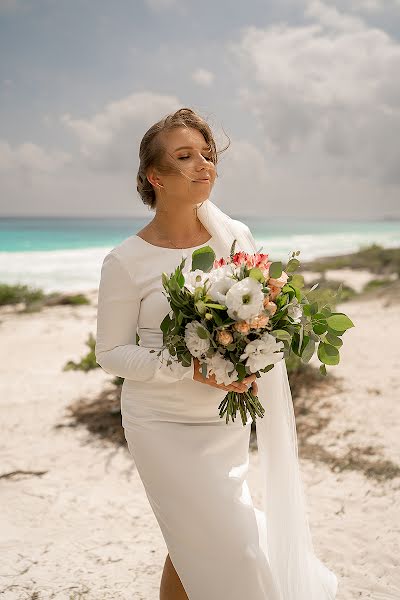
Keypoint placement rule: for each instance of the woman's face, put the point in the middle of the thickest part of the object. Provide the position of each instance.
(186, 149)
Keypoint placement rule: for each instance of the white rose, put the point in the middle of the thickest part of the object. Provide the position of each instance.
(220, 367)
(295, 311)
(195, 344)
(194, 279)
(245, 299)
(220, 281)
(262, 352)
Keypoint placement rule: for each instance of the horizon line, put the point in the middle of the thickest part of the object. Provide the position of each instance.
(387, 218)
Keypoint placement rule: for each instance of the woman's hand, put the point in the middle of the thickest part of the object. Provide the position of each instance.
(235, 386)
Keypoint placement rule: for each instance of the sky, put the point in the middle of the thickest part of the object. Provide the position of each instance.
(307, 93)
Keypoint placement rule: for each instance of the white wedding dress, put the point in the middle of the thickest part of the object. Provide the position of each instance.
(192, 464)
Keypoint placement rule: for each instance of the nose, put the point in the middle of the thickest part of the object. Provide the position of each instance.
(203, 160)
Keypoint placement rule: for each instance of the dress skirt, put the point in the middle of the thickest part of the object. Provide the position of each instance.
(194, 475)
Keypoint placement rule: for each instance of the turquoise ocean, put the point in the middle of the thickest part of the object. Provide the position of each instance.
(66, 254)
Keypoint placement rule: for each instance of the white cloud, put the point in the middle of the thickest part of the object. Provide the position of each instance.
(203, 77)
(110, 139)
(31, 158)
(373, 6)
(325, 94)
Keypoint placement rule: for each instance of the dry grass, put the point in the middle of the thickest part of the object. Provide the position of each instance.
(313, 410)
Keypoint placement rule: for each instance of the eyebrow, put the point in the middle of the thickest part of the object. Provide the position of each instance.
(191, 147)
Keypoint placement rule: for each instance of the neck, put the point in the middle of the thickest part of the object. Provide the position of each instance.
(182, 225)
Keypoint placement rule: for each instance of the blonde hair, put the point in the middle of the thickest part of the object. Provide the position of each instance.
(152, 152)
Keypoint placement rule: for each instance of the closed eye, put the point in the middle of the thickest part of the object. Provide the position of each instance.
(184, 157)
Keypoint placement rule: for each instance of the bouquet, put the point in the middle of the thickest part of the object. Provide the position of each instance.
(240, 316)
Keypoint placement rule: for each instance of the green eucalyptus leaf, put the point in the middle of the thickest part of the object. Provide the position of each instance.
(339, 322)
(256, 273)
(275, 270)
(334, 340)
(281, 334)
(328, 354)
(203, 259)
(335, 332)
(308, 351)
(319, 323)
(297, 280)
(292, 265)
(201, 332)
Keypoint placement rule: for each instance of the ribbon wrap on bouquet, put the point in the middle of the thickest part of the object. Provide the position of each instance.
(285, 534)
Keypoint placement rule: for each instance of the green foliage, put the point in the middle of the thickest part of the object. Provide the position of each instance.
(203, 259)
(305, 321)
(88, 361)
(275, 270)
(376, 284)
(326, 292)
(35, 298)
(374, 258)
(73, 299)
(15, 294)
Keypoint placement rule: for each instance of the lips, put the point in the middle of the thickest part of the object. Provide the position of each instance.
(201, 180)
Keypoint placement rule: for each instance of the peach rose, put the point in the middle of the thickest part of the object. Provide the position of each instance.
(279, 282)
(269, 306)
(224, 337)
(274, 291)
(259, 321)
(242, 327)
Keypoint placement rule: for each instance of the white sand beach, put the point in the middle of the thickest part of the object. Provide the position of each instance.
(75, 519)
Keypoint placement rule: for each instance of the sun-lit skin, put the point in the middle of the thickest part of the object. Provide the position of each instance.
(178, 193)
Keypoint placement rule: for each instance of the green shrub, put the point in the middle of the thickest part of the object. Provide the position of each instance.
(18, 293)
(56, 298)
(35, 298)
(376, 284)
(326, 292)
(88, 361)
(373, 258)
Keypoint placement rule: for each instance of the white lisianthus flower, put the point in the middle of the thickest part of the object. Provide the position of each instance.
(220, 367)
(194, 279)
(196, 345)
(244, 299)
(295, 311)
(221, 281)
(262, 352)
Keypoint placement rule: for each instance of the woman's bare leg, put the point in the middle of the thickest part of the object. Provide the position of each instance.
(171, 587)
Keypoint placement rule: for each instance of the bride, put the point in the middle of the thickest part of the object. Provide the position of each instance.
(194, 465)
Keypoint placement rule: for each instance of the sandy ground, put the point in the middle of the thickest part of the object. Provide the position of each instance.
(80, 526)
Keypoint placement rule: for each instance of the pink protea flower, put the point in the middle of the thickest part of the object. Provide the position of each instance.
(261, 260)
(224, 337)
(219, 262)
(239, 258)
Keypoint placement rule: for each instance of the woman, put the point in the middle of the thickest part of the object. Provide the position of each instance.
(193, 464)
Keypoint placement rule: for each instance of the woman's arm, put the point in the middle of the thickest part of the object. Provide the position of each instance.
(117, 315)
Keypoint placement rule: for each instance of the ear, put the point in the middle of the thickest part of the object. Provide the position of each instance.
(153, 177)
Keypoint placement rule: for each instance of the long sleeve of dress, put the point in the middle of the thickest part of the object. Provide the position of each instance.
(117, 316)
